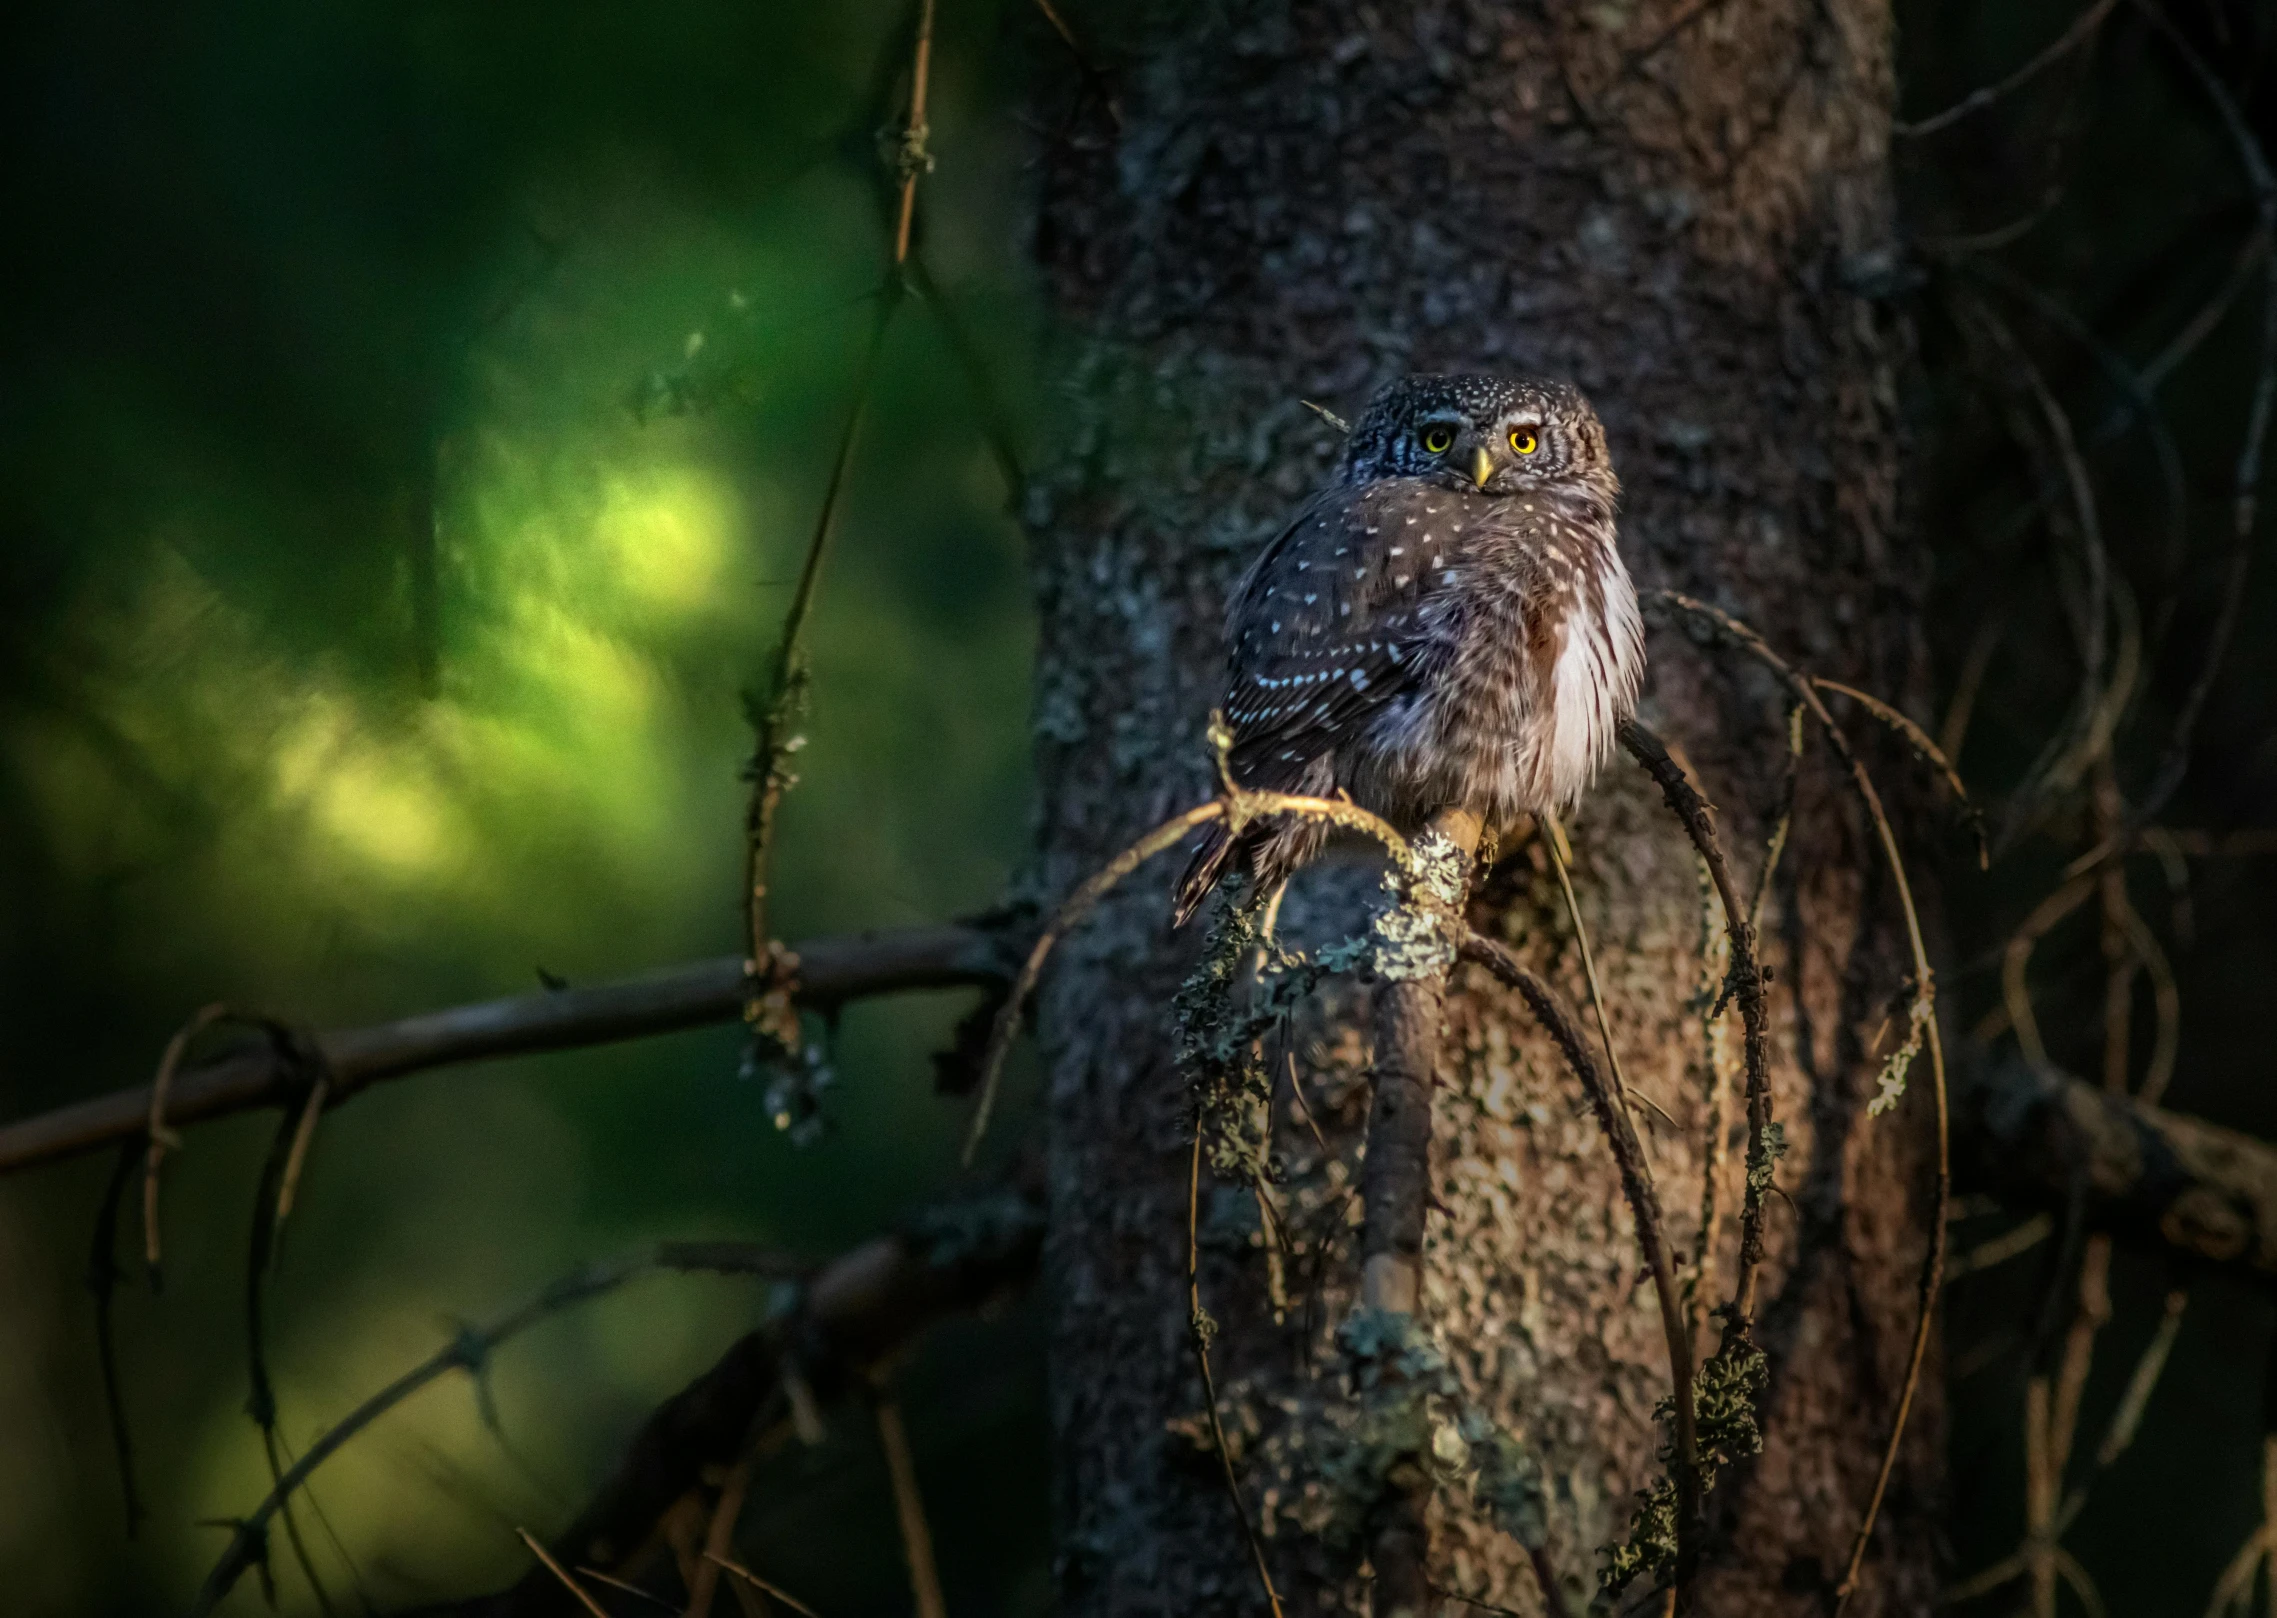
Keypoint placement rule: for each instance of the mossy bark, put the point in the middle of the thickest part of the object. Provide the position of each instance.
(1685, 209)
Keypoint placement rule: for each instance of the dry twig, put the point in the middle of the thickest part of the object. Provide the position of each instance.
(908, 1504)
(1644, 1204)
(584, 1597)
(1933, 1261)
(2082, 29)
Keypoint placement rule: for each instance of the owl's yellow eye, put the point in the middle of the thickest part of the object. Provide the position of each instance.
(1438, 440)
(1524, 442)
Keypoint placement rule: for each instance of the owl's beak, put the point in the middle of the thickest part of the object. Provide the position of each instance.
(1482, 465)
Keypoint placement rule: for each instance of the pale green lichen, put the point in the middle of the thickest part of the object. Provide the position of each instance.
(1411, 1413)
(1724, 1395)
(1890, 1082)
(1416, 935)
(1765, 1163)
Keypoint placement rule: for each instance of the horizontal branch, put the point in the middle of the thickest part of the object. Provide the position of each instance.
(829, 971)
(2036, 1134)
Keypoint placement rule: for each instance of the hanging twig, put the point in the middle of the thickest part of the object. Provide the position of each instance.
(1561, 858)
(159, 1137)
(1644, 1204)
(103, 1276)
(1199, 1329)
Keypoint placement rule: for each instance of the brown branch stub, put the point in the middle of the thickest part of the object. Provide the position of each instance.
(1395, 1185)
(2034, 1133)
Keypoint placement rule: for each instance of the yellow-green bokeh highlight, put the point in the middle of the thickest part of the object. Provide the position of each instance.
(309, 836)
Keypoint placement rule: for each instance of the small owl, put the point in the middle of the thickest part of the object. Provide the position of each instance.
(1446, 625)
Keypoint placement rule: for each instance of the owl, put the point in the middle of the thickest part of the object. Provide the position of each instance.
(1446, 625)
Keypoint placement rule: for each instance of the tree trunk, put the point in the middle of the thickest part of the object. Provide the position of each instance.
(1682, 205)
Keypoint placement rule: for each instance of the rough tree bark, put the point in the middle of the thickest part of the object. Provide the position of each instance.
(1683, 206)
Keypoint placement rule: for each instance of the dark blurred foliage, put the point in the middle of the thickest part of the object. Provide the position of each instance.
(412, 420)
(2091, 216)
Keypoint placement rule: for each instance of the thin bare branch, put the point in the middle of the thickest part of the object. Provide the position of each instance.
(469, 1350)
(1644, 1204)
(584, 1598)
(2246, 478)
(915, 159)
(778, 715)
(719, 1537)
(765, 1588)
(1923, 747)
(2013, 1243)
(158, 1137)
(2082, 29)
(1561, 858)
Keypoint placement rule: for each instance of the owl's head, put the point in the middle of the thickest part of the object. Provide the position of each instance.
(1482, 435)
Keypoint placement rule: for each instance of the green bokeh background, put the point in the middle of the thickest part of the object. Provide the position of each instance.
(589, 284)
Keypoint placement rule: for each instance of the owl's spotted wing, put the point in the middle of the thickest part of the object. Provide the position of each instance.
(1336, 620)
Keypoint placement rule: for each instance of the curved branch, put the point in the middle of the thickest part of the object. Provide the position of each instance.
(1644, 1203)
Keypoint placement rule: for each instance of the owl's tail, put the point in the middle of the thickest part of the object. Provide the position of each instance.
(1270, 850)
(1208, 868)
